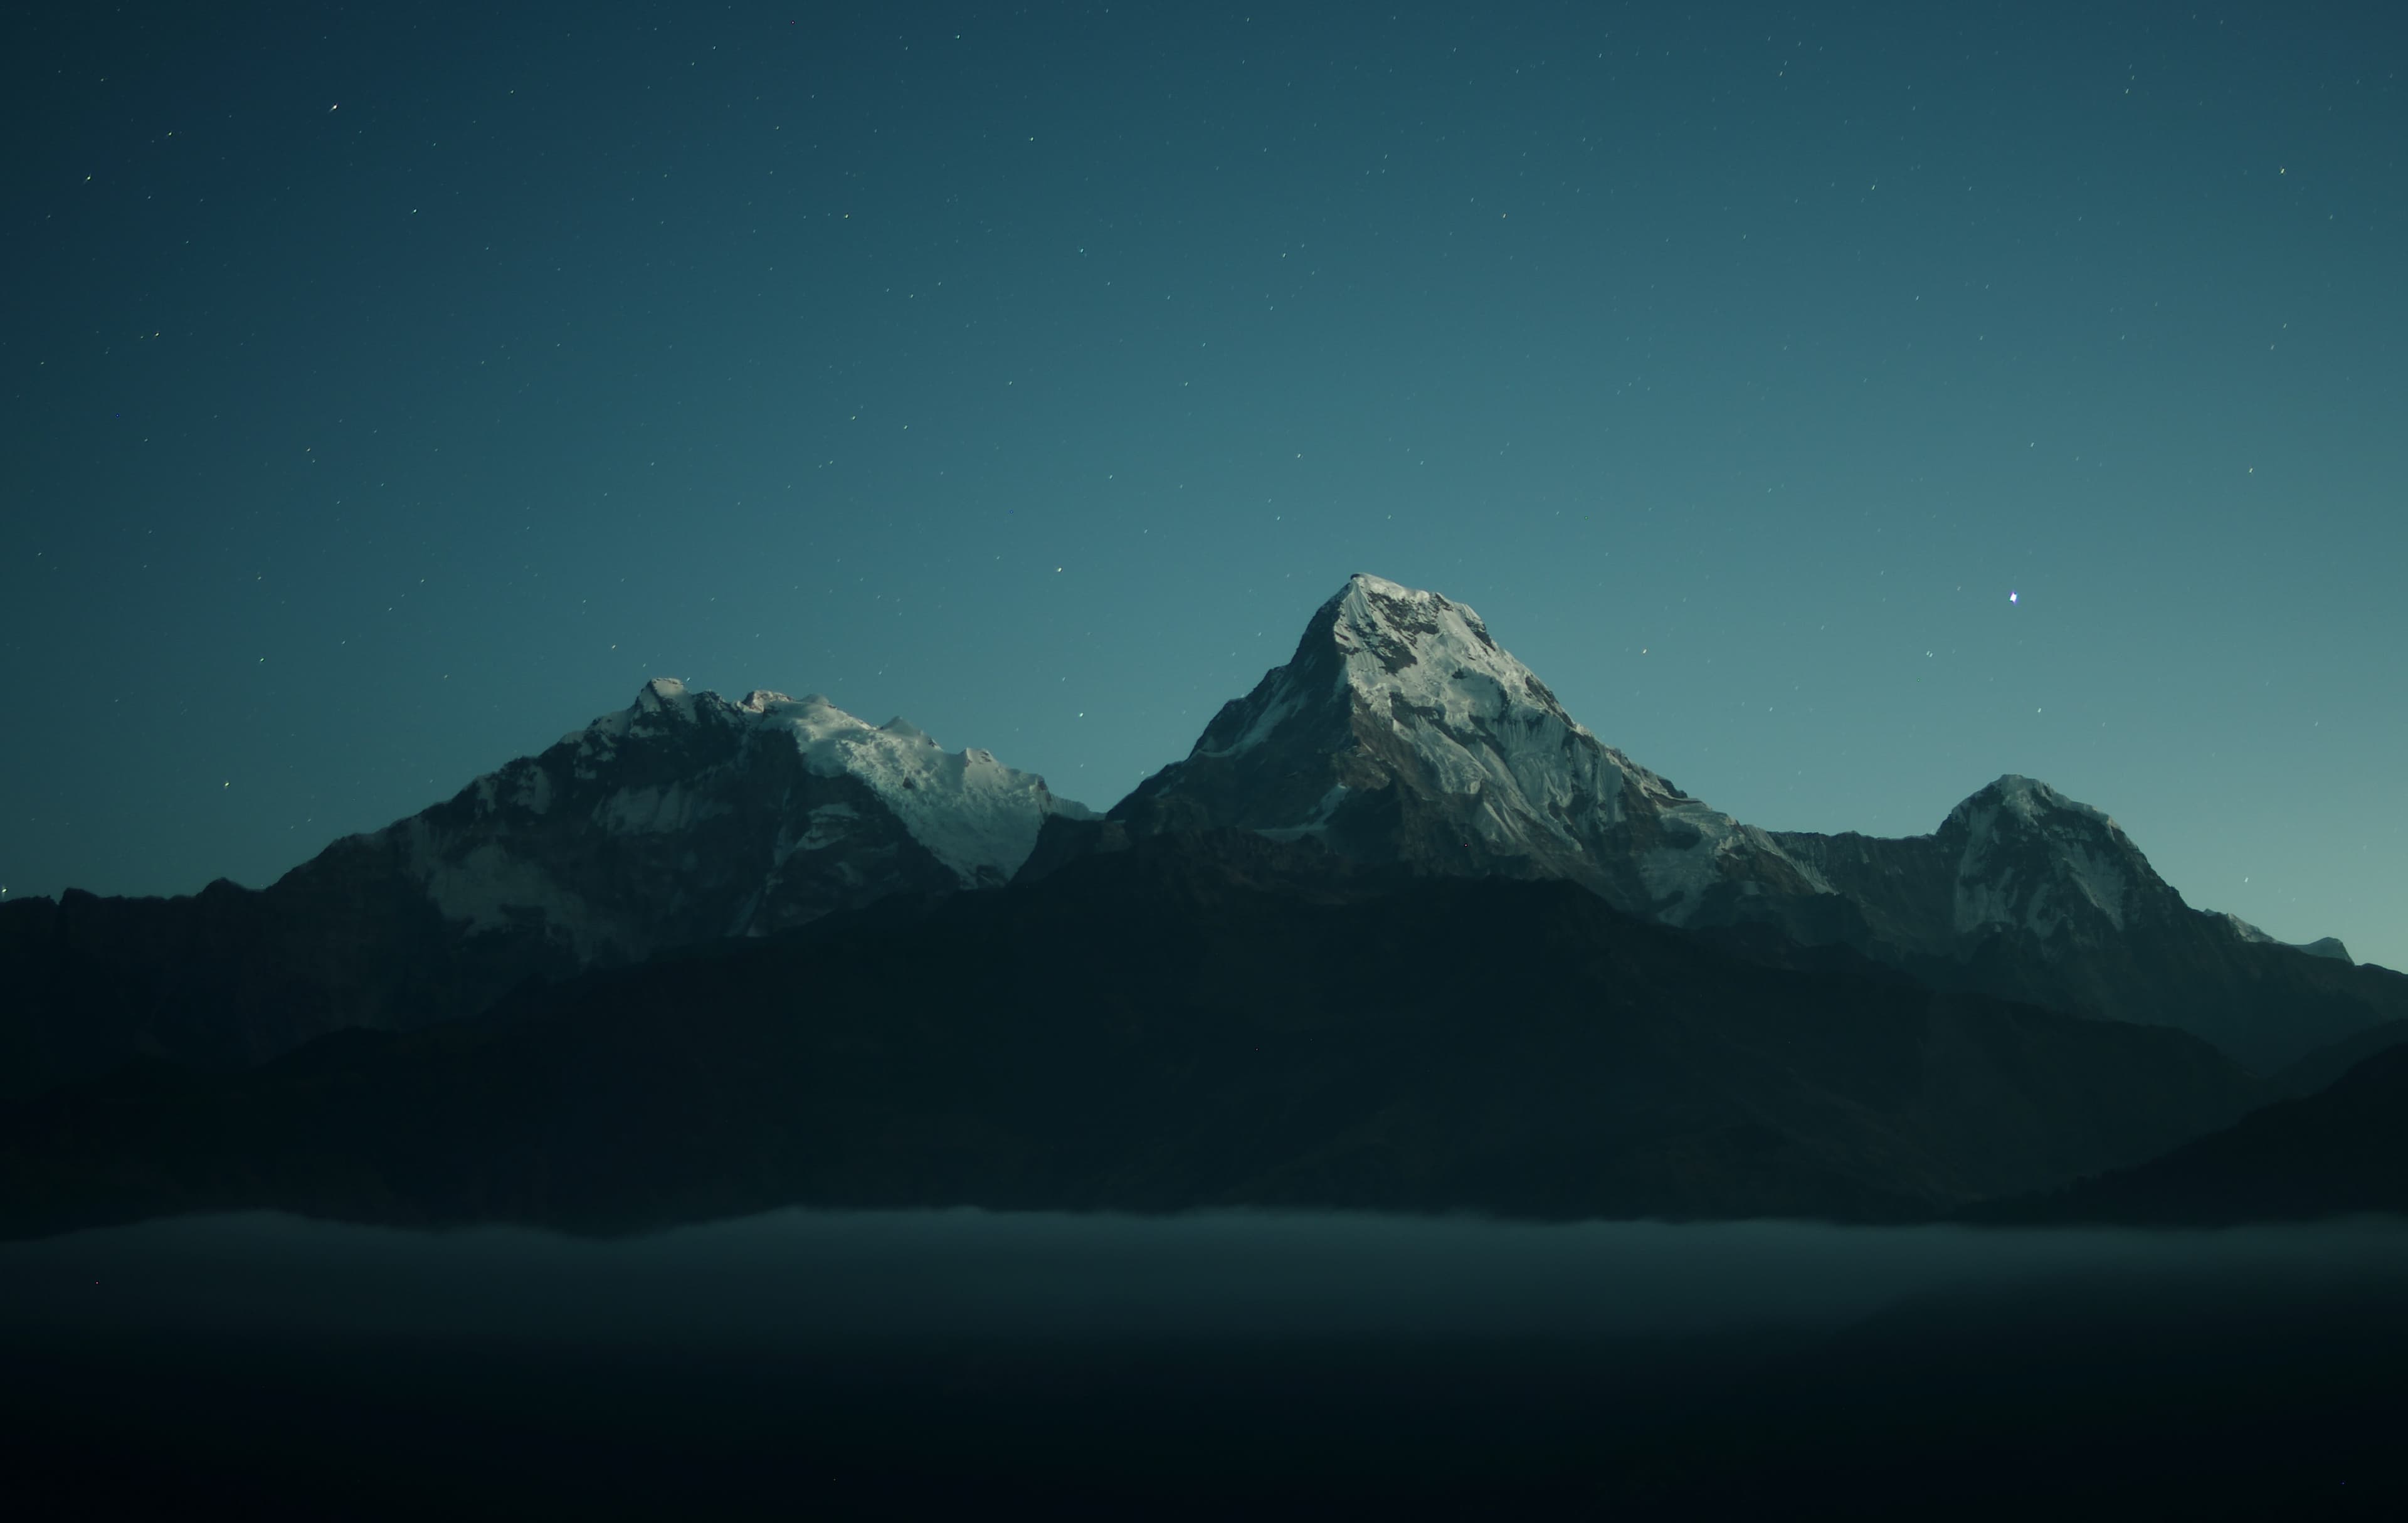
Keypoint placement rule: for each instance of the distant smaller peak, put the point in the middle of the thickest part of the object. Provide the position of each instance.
(2324, 946)
(2025, 798)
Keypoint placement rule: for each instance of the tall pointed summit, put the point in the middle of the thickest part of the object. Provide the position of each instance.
(1400, 731)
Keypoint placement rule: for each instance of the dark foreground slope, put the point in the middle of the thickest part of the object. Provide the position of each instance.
(1196, 1021)
(2343, 1150)
(2321, 1067)
(225, 977)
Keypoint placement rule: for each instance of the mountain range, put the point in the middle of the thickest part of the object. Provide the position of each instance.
(1400, 731)
(763, 951)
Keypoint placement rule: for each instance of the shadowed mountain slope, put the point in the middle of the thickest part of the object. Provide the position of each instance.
(2342, 1151)
(1197, 1020)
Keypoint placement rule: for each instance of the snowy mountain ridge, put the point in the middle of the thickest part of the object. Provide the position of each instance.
(686, 816)
(1429, 691)
(976, 815)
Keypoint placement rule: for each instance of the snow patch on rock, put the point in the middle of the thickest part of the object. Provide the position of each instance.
(2033, 857)
(488, 888)
(974, 814)
(1483, 726)
(976, 817)
(674, 761)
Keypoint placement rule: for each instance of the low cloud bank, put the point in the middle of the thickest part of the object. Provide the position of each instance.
(806, 1275)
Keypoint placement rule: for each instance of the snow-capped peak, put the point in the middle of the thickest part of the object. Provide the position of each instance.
(722, 819)
(1427, 666)
(1399, 694)
(976, 815)
(1399, 651)
(2029, 798)
(2032, 857)
(659, 701)
(664, 692)
(1418, 649)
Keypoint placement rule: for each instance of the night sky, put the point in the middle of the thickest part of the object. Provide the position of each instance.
(1838, 411)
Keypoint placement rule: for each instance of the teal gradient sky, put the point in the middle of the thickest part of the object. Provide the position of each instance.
(388, 391)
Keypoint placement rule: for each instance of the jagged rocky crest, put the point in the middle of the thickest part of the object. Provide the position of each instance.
(687, 817)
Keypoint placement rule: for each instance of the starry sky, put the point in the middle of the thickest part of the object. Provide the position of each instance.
(1838, 411)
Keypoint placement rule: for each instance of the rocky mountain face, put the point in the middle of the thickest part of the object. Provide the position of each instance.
(685, 818)
(2025, 893)
(688, 818)
(1401, 732)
